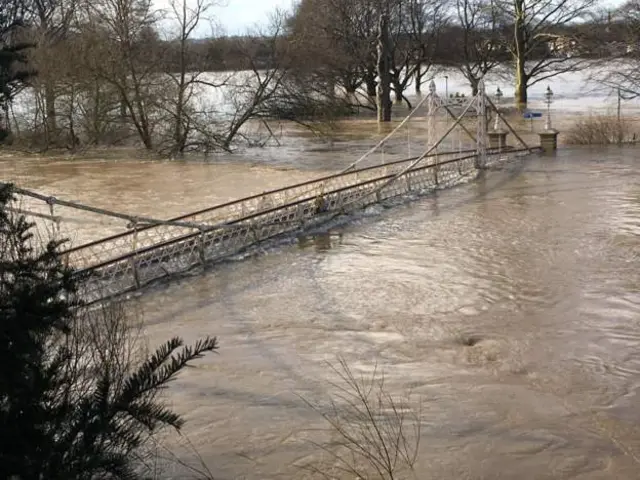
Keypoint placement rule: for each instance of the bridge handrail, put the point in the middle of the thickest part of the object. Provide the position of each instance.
(252, 215)
(147, 221)
(133, 240)
(153, 223)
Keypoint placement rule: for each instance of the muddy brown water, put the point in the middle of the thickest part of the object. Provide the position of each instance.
(510, 306)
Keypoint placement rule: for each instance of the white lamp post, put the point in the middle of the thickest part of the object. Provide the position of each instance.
(548, 95)
(496, 124)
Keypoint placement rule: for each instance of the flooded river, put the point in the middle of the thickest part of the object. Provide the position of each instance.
(510, 307)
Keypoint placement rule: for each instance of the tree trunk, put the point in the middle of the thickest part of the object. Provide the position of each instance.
(521, 88)
(73, 140)
(5, 125)
(350, 94)
(397, 87)
(419, 78)
(179, 137)
(137, 113)
(180, 132)
(331, 89)
(124, 104)
(123, 112)
(384, 87)
(97, 119)
(50, 112)
(474, 87)
(370, 81)
(521, 57)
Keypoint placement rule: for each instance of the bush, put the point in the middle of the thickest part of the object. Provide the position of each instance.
(78, 397)
(600, 130)
(373, 435)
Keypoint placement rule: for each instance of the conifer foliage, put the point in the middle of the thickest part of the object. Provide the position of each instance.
(77, 399)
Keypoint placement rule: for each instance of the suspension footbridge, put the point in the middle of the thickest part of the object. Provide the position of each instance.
(149, 249)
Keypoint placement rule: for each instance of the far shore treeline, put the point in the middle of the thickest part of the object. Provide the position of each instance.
(107, 72)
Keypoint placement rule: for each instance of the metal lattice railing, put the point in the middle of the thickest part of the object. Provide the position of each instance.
(126, 262)
(142, 235)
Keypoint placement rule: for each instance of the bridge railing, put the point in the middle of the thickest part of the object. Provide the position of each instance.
(133, 269)
(157, 249)
(142, 236)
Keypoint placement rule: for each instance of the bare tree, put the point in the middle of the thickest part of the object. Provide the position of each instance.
(622, 72)
(266, 76)
(422, 26)
(187, 17)
(337, 40)
(369, 43)
(536, 25)
(50, 24)
(416, 31)
(481, 43)
(13, 56)
(245, 95)
(124, 51)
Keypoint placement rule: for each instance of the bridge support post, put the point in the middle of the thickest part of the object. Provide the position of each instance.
(549, 140)
(498, 139)
(481, 133)
(134, 249)
(201, 249)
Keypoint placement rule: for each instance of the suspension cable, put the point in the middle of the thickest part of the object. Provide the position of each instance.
(387, 137)
(132, 219)
(413, 164)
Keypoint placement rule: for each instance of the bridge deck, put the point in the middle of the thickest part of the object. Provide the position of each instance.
(152, 249)
(130, 260)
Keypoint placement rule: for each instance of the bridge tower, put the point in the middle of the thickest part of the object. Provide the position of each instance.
(481, 131)
(433, 105)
